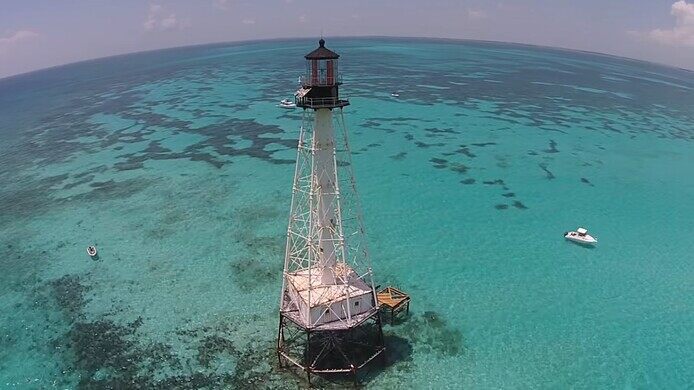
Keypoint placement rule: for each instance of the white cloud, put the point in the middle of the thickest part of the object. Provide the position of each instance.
(248, 21)
(222, 4)
(682, 33)
(475, 14)
(159, 19)
(302, 19)
(15, 38)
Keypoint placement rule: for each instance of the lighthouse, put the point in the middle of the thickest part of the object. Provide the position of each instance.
(329, 312)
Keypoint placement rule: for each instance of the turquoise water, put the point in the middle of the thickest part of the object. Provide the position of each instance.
(178, 165)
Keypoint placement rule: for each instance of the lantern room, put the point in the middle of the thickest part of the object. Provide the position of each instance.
(321, 67)
(320, 83)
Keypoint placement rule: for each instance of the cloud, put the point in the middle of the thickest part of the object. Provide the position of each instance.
(222, 4)
(248, 21)
(302, 19)
(683, 32)
(475, 14)
(159, 19)
(15, 38)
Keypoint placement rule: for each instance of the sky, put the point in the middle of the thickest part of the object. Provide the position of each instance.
(36, 34)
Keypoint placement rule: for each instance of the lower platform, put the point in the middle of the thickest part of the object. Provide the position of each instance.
(345, 351)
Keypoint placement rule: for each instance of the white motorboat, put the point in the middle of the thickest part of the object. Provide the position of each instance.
(91, 251)
(395, 94)
(581, 236)
(286, 103)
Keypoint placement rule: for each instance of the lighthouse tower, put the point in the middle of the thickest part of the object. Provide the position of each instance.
(329, 313)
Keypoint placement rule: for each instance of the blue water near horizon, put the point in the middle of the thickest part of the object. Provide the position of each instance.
(178, 165)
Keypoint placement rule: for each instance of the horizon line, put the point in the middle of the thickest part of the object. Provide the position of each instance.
(443, 39)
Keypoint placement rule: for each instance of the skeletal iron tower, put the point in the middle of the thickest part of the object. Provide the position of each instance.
(329, 312)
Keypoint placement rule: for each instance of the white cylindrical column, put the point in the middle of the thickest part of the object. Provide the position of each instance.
(324, 175)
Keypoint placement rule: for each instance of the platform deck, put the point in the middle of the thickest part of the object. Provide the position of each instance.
(394, 300)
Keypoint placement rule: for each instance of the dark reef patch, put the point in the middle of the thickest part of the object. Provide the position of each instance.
(548, 174)
(220, 140)
(494, 182)
(128, 165)
(398, 119)
(552, 147)
(586, 181)
(92, 171)
(399, 156)
(468, 181)
(370, 124)
(252, 273)
(212, 346)
(103, 346)
(83, 180)
(253, 268)
(519, 205)
(111, 189)
(52, 181)
(68, 292)
(483, 144)
(458, 168)
(465, 151)
(502, 162)
(440, 163)
(21, 265)
(155, 147)
(434, 130)
(508, 195)
(501, 206)
(107, 355)
(424, 145)
(431, 332)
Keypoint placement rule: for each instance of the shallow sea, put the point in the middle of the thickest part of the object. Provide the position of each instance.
(178, 165)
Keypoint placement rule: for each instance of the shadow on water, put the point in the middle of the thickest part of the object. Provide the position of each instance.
(427, 332)
(398, 351)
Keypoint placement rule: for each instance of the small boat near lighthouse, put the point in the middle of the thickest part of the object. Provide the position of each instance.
(91, 251)
(581, 236)
(286, 103)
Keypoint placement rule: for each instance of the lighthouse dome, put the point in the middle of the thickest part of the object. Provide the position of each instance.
(322, 53)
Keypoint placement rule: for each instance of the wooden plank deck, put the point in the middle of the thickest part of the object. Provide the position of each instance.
(393, 299)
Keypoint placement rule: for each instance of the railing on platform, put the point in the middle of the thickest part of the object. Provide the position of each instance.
(321, 102)
(318, 81)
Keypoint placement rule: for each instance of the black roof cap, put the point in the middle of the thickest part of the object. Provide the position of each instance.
(322, 53)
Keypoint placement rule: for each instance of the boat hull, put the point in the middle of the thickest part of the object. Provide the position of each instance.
(585, 240)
